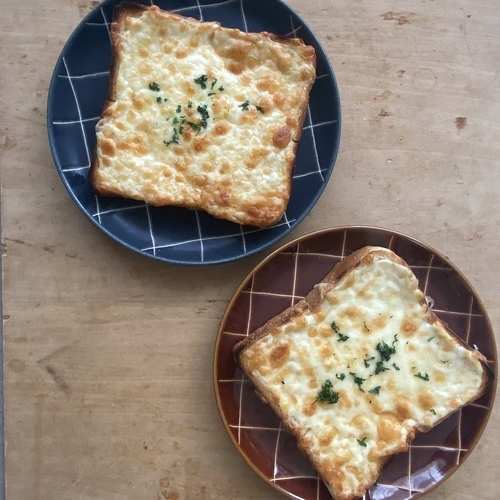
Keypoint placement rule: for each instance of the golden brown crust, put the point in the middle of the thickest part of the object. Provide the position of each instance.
(311, 302)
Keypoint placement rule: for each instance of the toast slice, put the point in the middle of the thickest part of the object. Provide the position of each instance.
(359, 366)
(201, 116)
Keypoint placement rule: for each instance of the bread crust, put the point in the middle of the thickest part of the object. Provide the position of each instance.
(311, 302)
(220, 201)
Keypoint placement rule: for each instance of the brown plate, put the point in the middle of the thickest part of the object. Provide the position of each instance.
(284, 278)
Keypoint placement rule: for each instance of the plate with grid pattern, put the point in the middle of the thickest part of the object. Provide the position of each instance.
(76, 98)
(284, 278)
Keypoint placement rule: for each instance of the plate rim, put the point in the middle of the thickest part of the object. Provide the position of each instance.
(323, 231)
(335, 145)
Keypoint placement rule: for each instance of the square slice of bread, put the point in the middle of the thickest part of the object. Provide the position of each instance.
(359, 366)
(201, 116)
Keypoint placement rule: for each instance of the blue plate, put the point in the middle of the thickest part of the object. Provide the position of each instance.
(76, 98)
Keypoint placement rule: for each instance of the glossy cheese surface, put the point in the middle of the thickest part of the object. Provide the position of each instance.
(204, 117)
(388, 371)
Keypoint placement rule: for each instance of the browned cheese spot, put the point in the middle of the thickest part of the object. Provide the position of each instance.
(279, 355)
(309, 409)
(408, 328)
(221, 127)
(108, 147)
(325, 438)
(426, 401)
(403, 408)
(282, 137)
(388, 428)
(235, 67)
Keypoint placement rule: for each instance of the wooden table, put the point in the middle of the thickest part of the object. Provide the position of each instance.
(108, 354)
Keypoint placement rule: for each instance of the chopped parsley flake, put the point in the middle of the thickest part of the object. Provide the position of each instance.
(179, 109)
(245, 105)
(424, 377)
(396, 367)
(201, 81)
(362, 442)
(429, 339)
(221, 88)
(336, 329)
(375, 390)
(385, 350)
(158, 99)
(365, 327)
(154, 86)
(433, 411)
(367, 362)
(340, 376)
(379, 367)
(259, 108)
(357, 380)
(327, 394)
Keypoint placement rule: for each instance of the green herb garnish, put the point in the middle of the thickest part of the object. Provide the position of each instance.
(362, 442)
(245, 105)
(201, 81)
(385, 350)
(357, 380)
(375, 390)
(367, 362)
(154, 86)
(379, 367)
(327, 394)
(424, 377)
(340, 376)
(336, 329)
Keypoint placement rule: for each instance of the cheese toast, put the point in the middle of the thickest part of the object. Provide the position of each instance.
(201, 116)
(359, 366)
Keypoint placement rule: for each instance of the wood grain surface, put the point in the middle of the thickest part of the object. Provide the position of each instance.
(108, 354)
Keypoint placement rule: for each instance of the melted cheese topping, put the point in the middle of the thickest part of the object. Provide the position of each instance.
(204, 117)
(392, 371)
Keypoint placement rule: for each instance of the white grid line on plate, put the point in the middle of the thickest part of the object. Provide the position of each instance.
(276, 447)
(150, 224)
(410, 484)
(294, 29)
(74, 169)
(97, 208)
(78, 111)
(316, 156)
(427, 276)
(243, 240)
(401, 487)
(239, 409)
(249, 427)
(209, 238)
(113, 210)
(293, 296)
(106, 24)
(243, 16)
(200, 236)
(243, 375)
(469, 322)
(86, 75)
(74, 122)
(459, 447)
(182, 9)
(442, 448)
(314, 125)
(199, 10)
